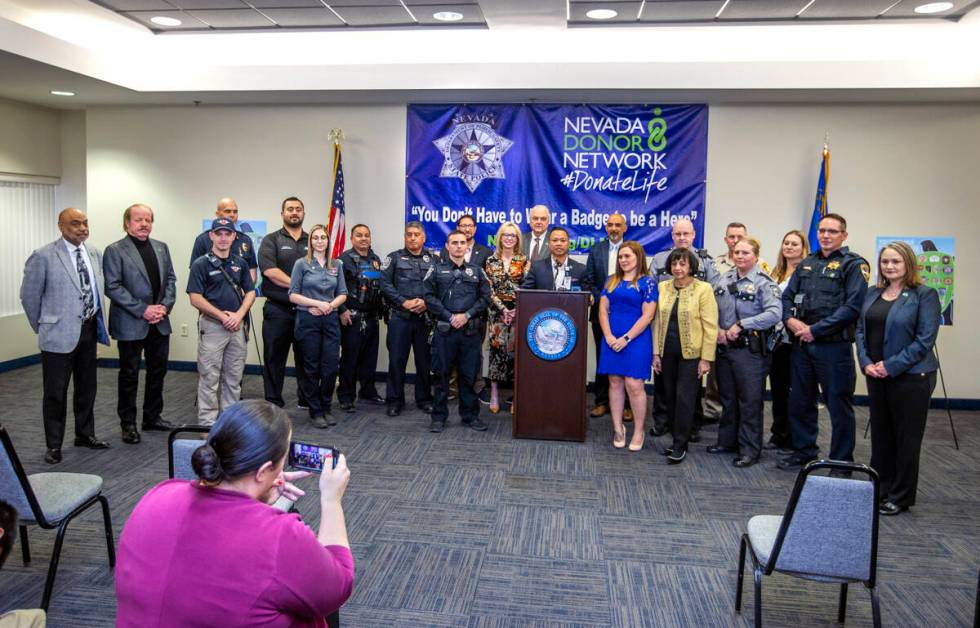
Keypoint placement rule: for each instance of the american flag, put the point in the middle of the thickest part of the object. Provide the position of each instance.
(336, 224)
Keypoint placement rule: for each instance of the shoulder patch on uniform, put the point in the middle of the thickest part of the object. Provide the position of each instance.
(385, 264)
(774, 288)
(866, 271)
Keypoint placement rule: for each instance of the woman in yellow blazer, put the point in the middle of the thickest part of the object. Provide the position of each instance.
(684, 339)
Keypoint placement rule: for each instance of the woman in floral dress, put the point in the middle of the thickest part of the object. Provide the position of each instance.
(505, 269)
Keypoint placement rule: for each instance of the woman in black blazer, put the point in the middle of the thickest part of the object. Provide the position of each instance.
(895, 336)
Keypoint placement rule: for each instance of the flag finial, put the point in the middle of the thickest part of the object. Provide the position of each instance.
(826, 140)
(336, 135)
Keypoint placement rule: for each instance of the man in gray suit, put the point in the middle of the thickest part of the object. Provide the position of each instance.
(140, 282)
(534, 245)
(61, 295)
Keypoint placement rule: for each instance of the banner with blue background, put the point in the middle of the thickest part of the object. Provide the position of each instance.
(583, 162)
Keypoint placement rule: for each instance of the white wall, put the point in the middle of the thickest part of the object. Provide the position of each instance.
(30, 142)
(899, 170)
(30, 150)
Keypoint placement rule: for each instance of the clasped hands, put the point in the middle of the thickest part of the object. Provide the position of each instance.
(800, 329)
(153, 314)
(323, 309)
(616, 344)
(876, 370)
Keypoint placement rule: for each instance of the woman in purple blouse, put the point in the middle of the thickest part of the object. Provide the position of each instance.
(213, 552)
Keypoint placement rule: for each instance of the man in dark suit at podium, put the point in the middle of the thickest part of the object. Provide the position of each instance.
(558, 271)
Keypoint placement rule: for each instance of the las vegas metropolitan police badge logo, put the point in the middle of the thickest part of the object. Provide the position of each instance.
(473, 152)
(551, 334)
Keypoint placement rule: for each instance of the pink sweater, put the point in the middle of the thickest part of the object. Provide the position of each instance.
(193, 556)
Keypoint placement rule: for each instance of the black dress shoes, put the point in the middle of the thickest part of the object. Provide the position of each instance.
(744, 461)
(794, 462)
(52, 456)
(393, 410)
(130, 436)
(376, 399)
(476, 424)
(425, 406)
(158, 426)
(890, 509)
(91, 442)
(676, 457)
(720, 449)
(437, 426)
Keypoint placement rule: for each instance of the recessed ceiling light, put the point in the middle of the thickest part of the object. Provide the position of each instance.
(448, 16)
(163, 20)
(601, 14)
(58, 92)
(934, 7)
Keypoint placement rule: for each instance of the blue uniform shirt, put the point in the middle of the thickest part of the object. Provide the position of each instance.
(402, 274)
(452, 289)
(207, 280)
(242, 247)
(754, 299)
(314, 281)
(827, 292)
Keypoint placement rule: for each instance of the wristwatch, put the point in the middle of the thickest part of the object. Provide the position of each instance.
(627, 337)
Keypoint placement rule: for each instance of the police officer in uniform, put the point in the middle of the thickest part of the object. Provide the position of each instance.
(359, 317)
(749, 308)
(683, 237)
(457, 294)
(402, 273)
(241, 247)
(221, 289)
(277, 256)
(821, 305)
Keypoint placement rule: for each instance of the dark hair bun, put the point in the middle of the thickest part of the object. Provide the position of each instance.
(206, 464)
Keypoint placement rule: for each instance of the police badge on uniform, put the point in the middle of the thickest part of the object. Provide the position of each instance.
(834, 265)
(425, 258)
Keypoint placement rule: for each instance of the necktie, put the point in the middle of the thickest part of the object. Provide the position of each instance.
(88, 297)
(536, 249)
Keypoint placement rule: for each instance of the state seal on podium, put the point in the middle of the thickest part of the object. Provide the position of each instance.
(551, 334)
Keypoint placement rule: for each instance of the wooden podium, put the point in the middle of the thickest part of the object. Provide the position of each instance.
(551, 366)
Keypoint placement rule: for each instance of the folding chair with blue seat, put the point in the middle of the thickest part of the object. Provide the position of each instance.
(50, 500)
(829, 533)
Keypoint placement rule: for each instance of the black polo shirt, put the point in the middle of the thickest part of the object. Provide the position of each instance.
(280, 250)
(207, 280)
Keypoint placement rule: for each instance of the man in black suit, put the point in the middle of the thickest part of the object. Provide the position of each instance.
(534, 244)
(140, 282)
(476, 253)
(558, 271)
(600, 265)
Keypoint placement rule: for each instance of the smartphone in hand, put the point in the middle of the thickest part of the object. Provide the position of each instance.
(312, 457)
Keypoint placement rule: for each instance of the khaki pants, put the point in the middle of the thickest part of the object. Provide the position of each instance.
(220, 363)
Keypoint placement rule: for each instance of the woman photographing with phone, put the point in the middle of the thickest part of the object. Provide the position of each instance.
(214, 552)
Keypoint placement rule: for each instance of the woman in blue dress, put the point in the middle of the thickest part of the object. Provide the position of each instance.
(627, 305)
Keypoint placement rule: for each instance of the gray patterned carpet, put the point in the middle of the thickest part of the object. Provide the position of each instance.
(479, 530)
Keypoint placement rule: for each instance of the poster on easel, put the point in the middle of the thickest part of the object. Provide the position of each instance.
(935, 258)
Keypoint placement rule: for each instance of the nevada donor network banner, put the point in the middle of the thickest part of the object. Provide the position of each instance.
(583, 162)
